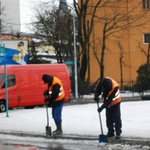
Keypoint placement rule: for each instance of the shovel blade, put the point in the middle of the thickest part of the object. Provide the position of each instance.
(102, 138)
(48, 131)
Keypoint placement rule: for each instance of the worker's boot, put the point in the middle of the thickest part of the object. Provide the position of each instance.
(110, 133)
(58, 131)
(56, 128)
(118, 134)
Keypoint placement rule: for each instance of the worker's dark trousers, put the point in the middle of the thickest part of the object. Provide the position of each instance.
(113, 118)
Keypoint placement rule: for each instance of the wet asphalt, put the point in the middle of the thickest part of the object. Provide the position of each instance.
(9, 146)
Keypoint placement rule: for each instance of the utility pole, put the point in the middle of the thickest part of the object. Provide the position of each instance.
(75, 55)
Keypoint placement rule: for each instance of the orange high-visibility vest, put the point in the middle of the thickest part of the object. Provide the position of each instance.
(61, 91)
(117, 97)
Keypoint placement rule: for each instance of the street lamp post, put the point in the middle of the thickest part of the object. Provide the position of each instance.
(75, 56)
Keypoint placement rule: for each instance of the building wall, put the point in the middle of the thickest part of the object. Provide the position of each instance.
(129, 39)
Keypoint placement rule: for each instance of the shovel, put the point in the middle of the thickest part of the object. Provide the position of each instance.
(102, 137)
(48, 129)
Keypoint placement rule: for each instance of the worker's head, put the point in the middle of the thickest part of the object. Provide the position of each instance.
(47, 79)
(106, 84)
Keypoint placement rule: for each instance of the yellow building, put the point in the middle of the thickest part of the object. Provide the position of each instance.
(128, 29)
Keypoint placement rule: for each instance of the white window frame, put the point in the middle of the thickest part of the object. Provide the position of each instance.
(146, 4)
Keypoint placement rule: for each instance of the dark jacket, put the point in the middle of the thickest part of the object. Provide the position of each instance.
(104, 88)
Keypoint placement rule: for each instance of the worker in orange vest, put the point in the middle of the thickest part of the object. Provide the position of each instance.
(109, 89)
(55, 97)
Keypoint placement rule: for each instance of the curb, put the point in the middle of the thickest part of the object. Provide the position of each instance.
(63, 136)
(123, 140)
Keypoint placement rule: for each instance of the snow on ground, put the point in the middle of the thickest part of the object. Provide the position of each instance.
(123, 94)
(79, 120)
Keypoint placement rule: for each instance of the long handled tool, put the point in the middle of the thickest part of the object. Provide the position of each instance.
(48, 129)
(102, 137)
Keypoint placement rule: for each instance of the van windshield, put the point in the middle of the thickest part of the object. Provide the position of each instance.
(1, 78)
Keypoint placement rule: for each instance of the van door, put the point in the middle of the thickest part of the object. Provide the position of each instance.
(27, 97)
(13, 97)
(39, 87)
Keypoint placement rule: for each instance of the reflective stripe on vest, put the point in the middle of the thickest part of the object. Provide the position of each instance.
(50, 92)
(61, 90)
(117, 97)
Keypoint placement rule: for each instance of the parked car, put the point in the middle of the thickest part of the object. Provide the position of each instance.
(145, 95)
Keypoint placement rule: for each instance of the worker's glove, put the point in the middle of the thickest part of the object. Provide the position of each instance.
(99, 109)
(46, 100)
(46, 93)
(96, 99)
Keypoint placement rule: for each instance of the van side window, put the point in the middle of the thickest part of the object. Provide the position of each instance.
(11, 80)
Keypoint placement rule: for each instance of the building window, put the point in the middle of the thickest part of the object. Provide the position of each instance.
(146, 37)
(146, 4)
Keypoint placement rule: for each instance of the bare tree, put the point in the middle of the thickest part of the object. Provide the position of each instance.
(86, 13)
(55, 27)
(120, 62)
(2, 13)
(115, 19)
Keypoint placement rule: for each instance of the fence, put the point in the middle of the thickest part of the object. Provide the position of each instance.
(127, 85)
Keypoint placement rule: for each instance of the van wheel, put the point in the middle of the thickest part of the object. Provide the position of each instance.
(2, 107)
(29, 107)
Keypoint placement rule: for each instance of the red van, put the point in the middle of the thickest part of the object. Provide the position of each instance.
(25, 85)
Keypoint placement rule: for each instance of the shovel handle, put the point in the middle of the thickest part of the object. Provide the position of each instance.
(100, 119)
(47, 115)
